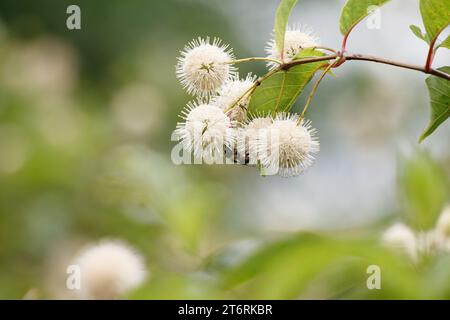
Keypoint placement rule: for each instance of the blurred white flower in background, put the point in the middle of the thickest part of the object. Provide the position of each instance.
(109, 270)
(400, 236)
(42, 67)
(443, 224)
(137, 109)
(422, 243)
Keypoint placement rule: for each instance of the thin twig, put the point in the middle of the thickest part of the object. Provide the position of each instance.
(254, 59)
(344, 57)
(362, 57)
(430, 55)
(253, 87)
(291, 64)
(313, 91)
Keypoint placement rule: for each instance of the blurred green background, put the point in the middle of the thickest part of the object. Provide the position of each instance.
(85, 123)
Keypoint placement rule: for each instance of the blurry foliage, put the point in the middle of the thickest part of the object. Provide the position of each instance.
(424, 190)
(71, 172)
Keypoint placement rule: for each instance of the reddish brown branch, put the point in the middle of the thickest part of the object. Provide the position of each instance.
(369, 58)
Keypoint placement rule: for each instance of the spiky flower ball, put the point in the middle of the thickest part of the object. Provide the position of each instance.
(235, 92)
(296, 39)
(250, 136)
(289, 146)
(109, 269)
(206, 130)
(203, 66)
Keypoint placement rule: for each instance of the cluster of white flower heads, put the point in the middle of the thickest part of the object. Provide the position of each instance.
(418, 244)
(219, 120)
(109, 270)
(297, 38)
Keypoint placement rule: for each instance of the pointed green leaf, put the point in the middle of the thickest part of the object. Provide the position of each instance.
(281, 19)
(439, 90)
(423, 190)
(445, 43)
(435, 16)
(279, 92)
(356, 10)
(289, 268)
(419, 34)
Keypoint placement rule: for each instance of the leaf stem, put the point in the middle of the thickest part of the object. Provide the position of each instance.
(313, 91)
(254, 59)
(430, 55)
(293, 63)
(398, 64)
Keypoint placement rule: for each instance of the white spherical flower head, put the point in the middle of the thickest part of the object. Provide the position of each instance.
(296, 39)
(235, 92)
(203, 67)
(289, 146)
(249, 137)
(109, 269)
(443, 224)
(206, 130)
(401, 237)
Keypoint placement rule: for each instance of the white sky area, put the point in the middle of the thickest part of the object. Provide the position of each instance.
(351, 184)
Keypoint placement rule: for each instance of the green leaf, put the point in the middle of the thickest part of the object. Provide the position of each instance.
(419, 34)
(439, 90)
(423, 190)
(281, 19)
(289, 268)
(445, 43)
(279, 92)
(435, 16)
(354, 11)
